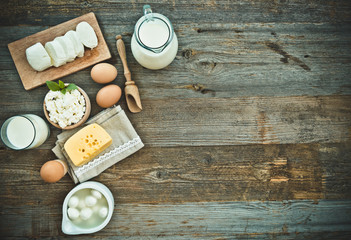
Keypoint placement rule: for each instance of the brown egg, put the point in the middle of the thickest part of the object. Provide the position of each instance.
(53, 171)
(108, 96)
(103, 73)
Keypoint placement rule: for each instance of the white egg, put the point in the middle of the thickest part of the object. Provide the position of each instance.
(90, 201)
(73, 213)
(86, 213)
(103, 212)
(96, 194)
(73, 202)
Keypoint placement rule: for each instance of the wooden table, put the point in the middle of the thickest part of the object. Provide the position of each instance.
(247, 132)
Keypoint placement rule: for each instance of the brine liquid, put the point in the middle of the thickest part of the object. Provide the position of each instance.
(95, 220)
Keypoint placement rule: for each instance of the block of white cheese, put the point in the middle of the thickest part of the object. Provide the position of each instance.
(37, 57)
(87, 143)
(77, 44)
(68, 47)
(56, 52)
(86, 35)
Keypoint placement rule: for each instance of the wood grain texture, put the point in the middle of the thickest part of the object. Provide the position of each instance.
(247, 132)
(232, 121)
(236, 220)
(31, 78)
(241, 65)
(235, 121)
(197, 174)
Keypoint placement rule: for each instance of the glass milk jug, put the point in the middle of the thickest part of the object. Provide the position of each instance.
(154, 43)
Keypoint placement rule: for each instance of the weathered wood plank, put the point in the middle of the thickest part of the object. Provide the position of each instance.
(227, 220)
(195, 174)
(48, 12)
(236, 121)
(247, 61)
(232, 121)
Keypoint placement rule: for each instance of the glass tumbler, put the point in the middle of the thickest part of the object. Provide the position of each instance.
(25, 131)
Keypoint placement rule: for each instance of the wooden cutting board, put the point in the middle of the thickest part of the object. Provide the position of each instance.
(31, 78)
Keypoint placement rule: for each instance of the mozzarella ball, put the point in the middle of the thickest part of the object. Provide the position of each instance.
(90, 201)
(73, 213)
(73, 202)
(86, 213)
(103, 212)
(96, 194)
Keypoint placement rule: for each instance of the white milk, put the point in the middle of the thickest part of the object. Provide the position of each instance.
(25, 132)
(153, 34)
(20, 132)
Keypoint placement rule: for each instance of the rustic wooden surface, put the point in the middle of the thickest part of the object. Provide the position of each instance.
(247, 132)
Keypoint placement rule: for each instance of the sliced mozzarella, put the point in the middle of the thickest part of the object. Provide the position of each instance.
(86, 35)
(37, 57)
(68, 47)
(77, 44)
(56, 53)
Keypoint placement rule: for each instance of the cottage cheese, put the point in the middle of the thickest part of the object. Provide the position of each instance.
(65, 109)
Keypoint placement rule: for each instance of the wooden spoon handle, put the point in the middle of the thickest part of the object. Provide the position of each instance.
(122, 53)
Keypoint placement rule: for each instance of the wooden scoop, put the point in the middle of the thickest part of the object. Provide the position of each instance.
(131, 90)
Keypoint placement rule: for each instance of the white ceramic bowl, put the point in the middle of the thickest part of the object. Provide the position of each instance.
(68, 227)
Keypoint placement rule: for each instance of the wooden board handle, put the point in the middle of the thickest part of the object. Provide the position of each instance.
(121, 48)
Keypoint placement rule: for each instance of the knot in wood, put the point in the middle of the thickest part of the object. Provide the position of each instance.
(187, 53)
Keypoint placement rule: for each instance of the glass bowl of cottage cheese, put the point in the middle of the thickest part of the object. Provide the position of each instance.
(67, 111)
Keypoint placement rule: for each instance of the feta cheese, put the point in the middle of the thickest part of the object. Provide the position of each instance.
(65, 109)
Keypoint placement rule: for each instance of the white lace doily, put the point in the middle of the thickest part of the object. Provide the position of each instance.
(106, 156)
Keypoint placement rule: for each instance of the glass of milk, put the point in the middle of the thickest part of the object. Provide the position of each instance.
(24, 132)
(154, 43)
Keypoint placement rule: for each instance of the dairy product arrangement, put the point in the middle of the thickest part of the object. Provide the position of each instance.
(62, 49)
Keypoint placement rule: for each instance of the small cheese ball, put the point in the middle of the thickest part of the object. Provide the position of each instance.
(73, 213)
(90, 201)
(86, 213)
(73, 202)
(103, 212)
(96, 194)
